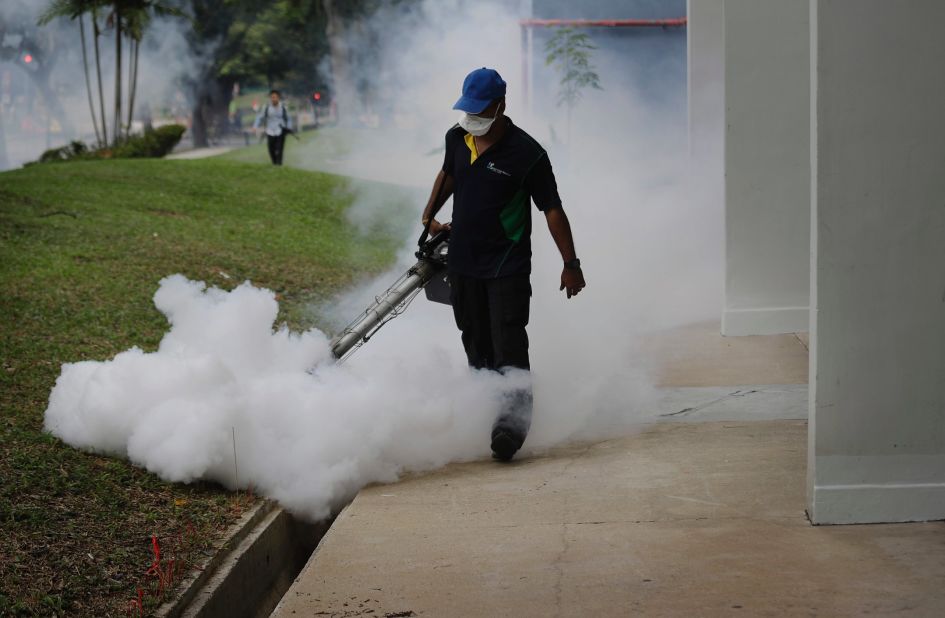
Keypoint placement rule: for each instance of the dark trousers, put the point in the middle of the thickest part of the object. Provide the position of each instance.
(492, 315)
(276, 143)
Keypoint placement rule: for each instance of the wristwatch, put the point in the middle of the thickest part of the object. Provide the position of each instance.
(574, 264)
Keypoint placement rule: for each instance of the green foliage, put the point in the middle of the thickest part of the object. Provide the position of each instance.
(71, 9)
(73, 150)
(153, 144)
(570, 52)
(263, 43)
(137, 15)
(277, 43)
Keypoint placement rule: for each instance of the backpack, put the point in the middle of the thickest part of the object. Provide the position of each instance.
(285, 115)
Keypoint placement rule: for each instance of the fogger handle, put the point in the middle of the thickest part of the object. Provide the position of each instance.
(425, 233)
(439, 237)
(436, 203)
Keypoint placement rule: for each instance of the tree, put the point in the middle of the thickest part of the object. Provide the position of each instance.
(4, 159)
(97, 33)
(114, 20)
(570, 52)
(335, 32)
(128, 18)
(75, 10)
(272, 43)
(276, 44)
(138, 15)
(355, 48)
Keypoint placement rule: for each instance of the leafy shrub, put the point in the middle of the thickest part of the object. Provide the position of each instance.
(154, 144)
(74, 149)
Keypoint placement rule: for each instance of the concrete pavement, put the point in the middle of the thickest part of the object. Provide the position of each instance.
(696, 355)
(697, 519)
(703, 516)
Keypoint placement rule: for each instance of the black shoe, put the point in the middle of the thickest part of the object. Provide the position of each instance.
(504, 445)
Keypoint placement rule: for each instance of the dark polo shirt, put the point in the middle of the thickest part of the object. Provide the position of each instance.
(492, 220)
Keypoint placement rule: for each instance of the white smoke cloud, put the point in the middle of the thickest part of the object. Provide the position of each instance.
(406, 401)
(223, 379)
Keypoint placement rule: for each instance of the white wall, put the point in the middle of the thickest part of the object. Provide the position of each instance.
(705, 39)
(877, 418)
(767, 166)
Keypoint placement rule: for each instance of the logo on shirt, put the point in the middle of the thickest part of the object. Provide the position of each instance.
(492, 168)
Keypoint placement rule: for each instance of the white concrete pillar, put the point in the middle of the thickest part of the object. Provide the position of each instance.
(767, 166)
(877, 417)
(705, 42)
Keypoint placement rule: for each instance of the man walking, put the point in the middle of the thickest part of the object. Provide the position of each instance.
(494, 170)
(277, 123)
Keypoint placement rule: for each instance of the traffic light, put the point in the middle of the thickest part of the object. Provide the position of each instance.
(30, 62)
(317, 96)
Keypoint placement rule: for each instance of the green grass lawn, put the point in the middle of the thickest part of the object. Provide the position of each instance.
(82, 247)
(312, 148)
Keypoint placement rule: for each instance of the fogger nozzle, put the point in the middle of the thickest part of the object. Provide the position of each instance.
(431, 262)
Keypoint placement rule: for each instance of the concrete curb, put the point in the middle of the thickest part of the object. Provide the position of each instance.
(277, 607)
(193, 584)
(248, 575)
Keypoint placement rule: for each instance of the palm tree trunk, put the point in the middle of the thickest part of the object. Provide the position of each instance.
(568, 135)
(117, 126)
(88, 85)
(4, 160)
(344, 92)
(98, 72)
(133, 80)
(570, 104)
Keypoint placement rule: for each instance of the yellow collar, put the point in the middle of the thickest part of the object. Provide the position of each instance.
(473, 152)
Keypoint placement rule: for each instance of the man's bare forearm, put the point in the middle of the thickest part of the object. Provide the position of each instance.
(442, 190)
(560, 229)
(572, 278)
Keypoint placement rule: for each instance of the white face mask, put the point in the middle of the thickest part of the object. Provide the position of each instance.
(477, 126)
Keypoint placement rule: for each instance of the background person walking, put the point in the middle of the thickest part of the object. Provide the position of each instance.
(277, 123)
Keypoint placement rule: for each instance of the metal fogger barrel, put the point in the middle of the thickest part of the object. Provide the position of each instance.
(429, 272)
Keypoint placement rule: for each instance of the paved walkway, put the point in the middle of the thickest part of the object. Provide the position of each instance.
(696, 355)
(703, 516)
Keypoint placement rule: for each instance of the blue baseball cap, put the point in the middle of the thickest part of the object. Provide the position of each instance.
(480, 88)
